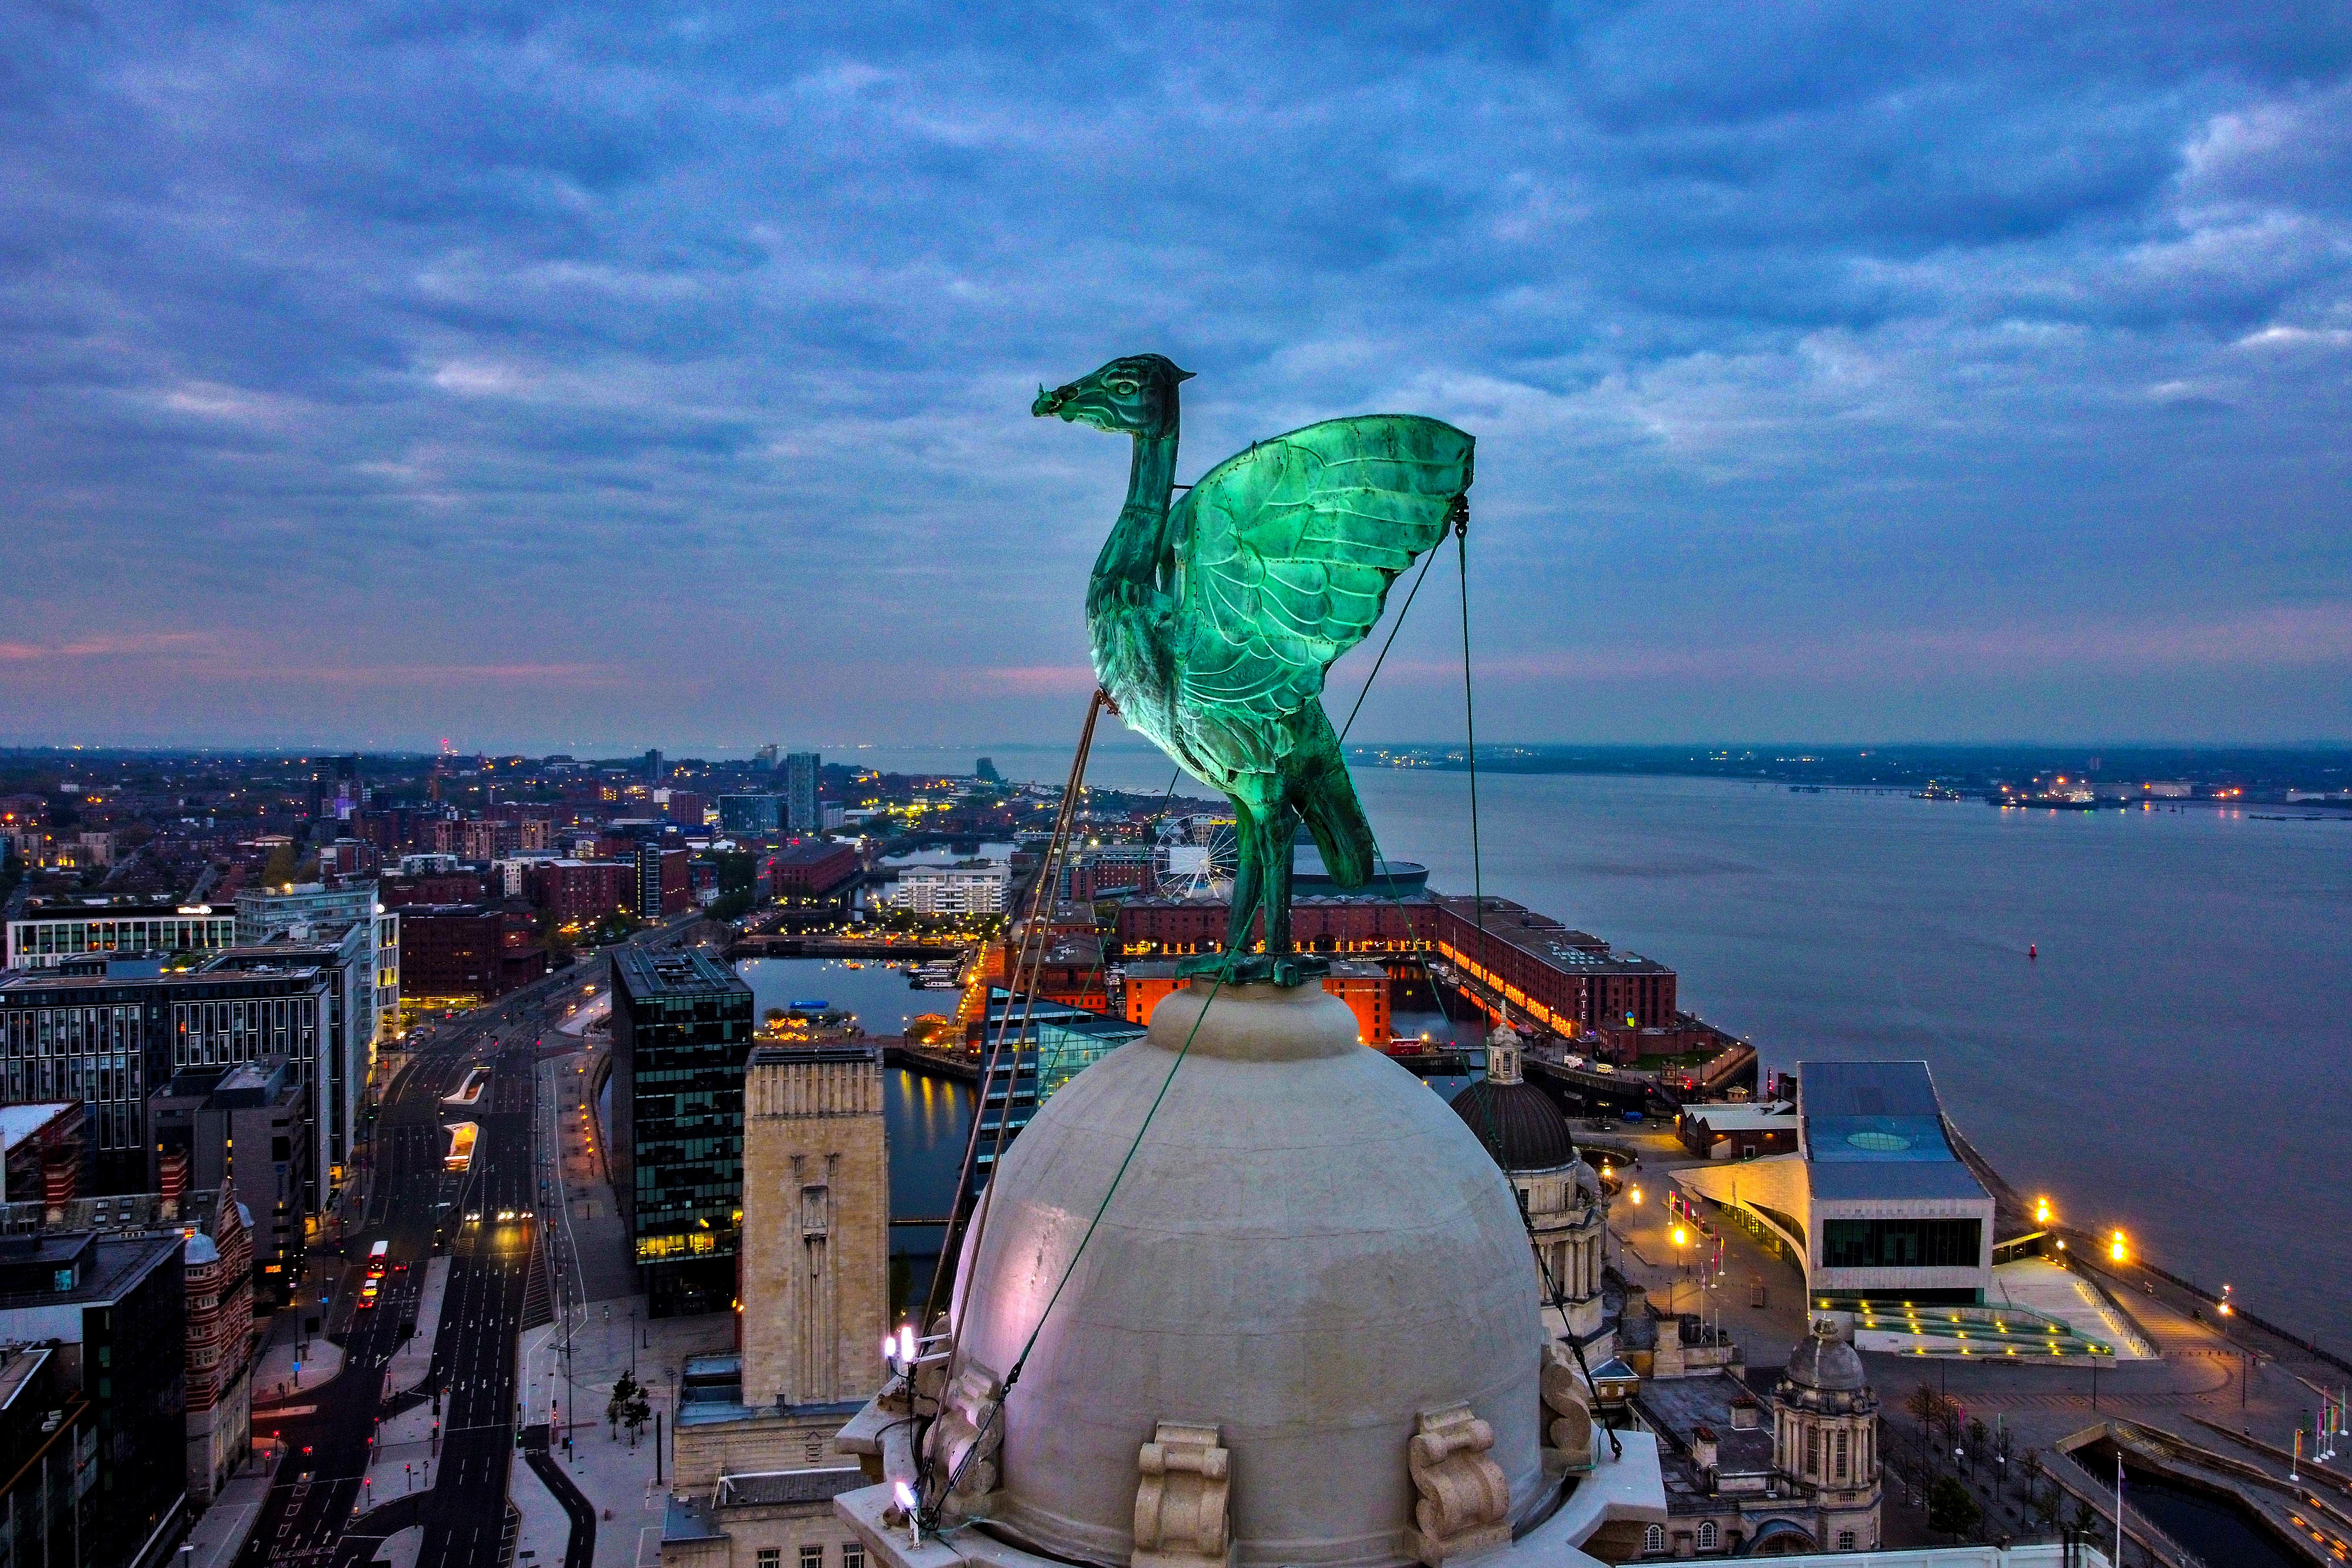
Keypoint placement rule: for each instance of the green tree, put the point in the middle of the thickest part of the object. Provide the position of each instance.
(634, 1416)
(616, 1409)
(279, 871)
(1950, 1510)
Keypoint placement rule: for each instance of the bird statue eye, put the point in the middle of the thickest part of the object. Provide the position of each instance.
(1123, 389)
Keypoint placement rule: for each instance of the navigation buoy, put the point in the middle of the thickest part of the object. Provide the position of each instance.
(2033, 951)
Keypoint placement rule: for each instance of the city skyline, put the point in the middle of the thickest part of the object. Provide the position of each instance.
(546, 380)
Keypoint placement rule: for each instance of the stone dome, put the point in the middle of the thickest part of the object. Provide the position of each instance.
(1520, 1126)
(1306, 1251)
(1825, 1371)
(201, 1250)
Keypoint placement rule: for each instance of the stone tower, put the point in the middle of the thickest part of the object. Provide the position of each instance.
(814, 1285)
(1559, 1196)
(1825, 1434)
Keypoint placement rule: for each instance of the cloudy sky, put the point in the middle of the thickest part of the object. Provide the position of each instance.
(579, 376)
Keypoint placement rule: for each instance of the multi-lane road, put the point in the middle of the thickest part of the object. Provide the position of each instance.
(320, 1513)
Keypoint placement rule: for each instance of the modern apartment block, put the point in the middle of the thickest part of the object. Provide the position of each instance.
(49, 933)
(802, 771)
(116, 1308)
(978, 889)
(244, 1131)
(681, 1030)
(338, 1089)
(315, 913)
(111, 1039)
(750, 813)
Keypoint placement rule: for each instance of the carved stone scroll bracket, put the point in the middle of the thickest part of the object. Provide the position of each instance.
(1180, 1499)
(964, 1443)
(1466, 1504)
(1568, 1413)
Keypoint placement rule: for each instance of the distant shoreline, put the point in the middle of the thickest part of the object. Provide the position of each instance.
(2187, 775)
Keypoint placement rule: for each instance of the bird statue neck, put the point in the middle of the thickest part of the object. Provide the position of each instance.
(1137, 551)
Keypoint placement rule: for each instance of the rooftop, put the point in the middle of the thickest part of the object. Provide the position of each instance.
(18, 1123)
(1880, 1112)
(112, 909)
(688, 972)
(114, 1265)
(793, 1055)
(1876, 1130)
(1730, 1118)
(17, 987)
(1540, 936)
(773, 1487)
(1683, 1405)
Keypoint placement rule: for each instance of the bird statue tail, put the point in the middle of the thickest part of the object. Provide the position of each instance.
(1325, 799)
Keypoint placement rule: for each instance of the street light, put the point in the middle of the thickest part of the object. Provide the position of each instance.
(2115, 1247)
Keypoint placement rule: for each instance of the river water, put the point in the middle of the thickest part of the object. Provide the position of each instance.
(2177, 1061)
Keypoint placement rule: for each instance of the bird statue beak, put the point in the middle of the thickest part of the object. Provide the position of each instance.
(1048, 403)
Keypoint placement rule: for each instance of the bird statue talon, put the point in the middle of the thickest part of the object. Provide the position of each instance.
(1459, 515)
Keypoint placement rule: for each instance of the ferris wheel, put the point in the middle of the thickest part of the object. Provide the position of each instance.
(1196, 857)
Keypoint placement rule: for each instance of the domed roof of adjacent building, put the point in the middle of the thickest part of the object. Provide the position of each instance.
(202, 1250)
(1823, 1361)
(1520, 1126)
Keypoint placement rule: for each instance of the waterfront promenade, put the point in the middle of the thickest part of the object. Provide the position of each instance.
(2235, 1388)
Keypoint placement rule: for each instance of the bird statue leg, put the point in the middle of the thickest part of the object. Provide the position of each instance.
(1249, 882)
(1281, 828)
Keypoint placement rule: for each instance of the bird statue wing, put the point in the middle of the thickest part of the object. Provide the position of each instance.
(1287, 550)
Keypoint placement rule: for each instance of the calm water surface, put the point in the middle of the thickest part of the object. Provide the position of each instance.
(2177, 1061)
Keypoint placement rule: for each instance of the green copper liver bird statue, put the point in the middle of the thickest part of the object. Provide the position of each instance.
(1213, 620)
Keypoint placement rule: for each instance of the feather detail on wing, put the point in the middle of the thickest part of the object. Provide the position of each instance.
(1288, 549)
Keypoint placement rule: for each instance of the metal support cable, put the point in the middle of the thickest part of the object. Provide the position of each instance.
(1398, 625)
(1048, 879)
(1470, 723)
(1062, 821)
(1014, 1377)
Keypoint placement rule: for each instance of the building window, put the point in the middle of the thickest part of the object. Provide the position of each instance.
(771, 1557)
(1846, 1540)
(1706, 1536)
(1812, 1453)
(813, 1557)
(853, 1555)
(1901, 1243)
(1841, 1456)
(1654, 1538)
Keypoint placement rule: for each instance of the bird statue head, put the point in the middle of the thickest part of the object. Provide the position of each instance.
(1134, 395)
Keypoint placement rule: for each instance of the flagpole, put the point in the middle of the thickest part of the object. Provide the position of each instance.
(2120, 1505)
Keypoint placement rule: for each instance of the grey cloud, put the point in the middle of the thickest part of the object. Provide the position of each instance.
(460, 318)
